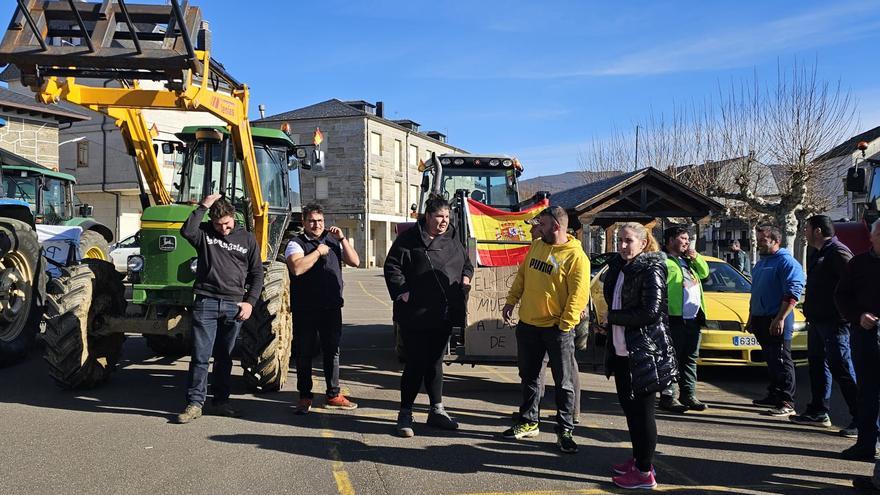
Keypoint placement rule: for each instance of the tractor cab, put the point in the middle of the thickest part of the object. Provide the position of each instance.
(48, 193)
(491, 180)
(863, 183)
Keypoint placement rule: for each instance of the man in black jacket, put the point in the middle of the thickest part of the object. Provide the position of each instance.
(229, 279)
(828, 347)
(315, 260)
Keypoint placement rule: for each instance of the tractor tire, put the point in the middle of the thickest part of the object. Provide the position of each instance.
(93, 245)
(19, 271)
(266, 336)
(174, 346)
(78, 356)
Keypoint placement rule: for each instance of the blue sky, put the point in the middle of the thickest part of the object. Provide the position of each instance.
(539, 80)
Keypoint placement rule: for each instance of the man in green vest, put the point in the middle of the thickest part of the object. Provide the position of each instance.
(685, 269)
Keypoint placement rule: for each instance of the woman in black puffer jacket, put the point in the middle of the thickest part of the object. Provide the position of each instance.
(639, 352)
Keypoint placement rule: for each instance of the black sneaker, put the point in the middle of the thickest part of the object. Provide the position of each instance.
(693, 404)
(222, 409)
(522, 430)
(766, 401)
(440, 419)
(851, 431)
(812, 419)
(864, 484)
(671, 404)
(859, 453)
(783, 409)
(566, 442)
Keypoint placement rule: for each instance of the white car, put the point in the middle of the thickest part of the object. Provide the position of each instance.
(120, 251)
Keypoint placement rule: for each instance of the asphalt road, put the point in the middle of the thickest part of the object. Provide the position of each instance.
(119, 438)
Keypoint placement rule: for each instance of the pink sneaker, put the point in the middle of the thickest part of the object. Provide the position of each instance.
(624, 468)
(635, 479)
(628, 466)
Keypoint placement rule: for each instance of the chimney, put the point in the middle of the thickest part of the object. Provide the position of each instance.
(380, 109)
(262, 109)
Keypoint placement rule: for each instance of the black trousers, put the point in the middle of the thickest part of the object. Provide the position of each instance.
(309, 326)
(423, 349)
(777, 354)
(532, 344)
(639, 411)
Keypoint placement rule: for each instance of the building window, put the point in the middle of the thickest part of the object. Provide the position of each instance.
(398, 196)
(82, 154)
(321, 191)
(376, 188)
(427, 155)
(398, 159)
(375, 143)
(412, 156)
(413, 195)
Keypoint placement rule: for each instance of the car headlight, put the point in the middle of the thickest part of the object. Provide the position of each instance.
(194, 264)
(800, 326)
(135, 263)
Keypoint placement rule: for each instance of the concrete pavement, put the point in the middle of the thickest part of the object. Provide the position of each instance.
(118, 438)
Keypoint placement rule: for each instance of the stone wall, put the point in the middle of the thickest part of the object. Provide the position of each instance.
(33, 139)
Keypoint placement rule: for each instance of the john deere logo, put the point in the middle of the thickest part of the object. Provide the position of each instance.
(167, 243)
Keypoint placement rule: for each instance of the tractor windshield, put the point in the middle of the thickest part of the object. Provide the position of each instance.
(272, 167)
(198, 179)
(55, 202)
(494, 187)
(874, 192)
(23, 188)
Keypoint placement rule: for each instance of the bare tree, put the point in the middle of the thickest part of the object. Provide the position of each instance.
(759, 150)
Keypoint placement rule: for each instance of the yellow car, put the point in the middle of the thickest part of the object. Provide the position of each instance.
(724, 342)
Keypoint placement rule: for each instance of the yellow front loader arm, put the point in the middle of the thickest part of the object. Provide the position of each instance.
(124, 105)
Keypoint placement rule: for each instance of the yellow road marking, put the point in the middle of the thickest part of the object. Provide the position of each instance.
(383, 303)
(340, 475)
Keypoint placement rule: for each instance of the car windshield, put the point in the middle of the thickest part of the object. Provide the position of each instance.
(724, 278)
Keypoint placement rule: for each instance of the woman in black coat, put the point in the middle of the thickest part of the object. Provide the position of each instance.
(428, 274)
(639, 352)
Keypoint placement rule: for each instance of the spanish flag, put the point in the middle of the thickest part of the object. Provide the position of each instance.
(503, 237)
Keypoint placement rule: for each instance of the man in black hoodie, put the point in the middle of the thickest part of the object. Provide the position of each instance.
(829, 343)
(229, 279)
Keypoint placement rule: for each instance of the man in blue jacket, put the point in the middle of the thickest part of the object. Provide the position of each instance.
(777, 284)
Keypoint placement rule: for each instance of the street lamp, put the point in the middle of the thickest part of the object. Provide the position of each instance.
(72, 140)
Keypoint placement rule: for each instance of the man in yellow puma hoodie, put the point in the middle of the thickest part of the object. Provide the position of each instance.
(552, 287)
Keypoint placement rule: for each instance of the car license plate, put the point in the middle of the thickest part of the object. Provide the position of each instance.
(746, 341)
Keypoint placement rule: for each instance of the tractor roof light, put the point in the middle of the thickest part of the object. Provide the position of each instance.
(445, 161)
(494, 162)
(507, 162)
(458, 161)
(285, 128)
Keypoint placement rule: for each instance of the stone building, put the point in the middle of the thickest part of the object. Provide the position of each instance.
(370, 176)
(30, 129)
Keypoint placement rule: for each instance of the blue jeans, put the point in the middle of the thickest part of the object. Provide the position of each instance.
(214, 329)
(830, 358)
(866, 358)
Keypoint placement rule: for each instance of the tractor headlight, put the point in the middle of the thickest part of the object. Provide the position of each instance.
(135, 263)
(194, 264)
(800, 326)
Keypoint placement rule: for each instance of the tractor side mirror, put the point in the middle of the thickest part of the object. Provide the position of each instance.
(167, 148)
(855, 180)
(86, 210)
(425, 183)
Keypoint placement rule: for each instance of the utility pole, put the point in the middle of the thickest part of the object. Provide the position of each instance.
(637, 147)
